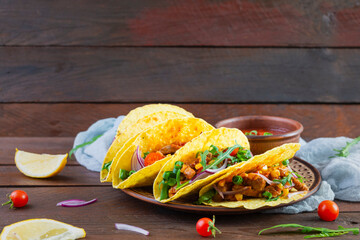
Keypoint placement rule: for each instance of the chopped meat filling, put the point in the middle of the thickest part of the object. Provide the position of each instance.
(170, 149)
(188, 172)
(255, 181)
(254, 185)
(299, 185)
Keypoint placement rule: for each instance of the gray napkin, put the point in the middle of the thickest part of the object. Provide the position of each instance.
(91, 156)
(341, 176)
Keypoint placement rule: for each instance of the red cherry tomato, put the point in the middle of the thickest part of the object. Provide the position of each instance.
(153, 157)
(17, 199)
(202, 226)
(328, 210)
(234, 152)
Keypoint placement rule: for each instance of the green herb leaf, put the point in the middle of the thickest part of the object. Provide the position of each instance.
(284, 180)
(237, 180)
(253, 132)
(206, 197)
(123, 174)
(84, 144)
(267, 134)
(182, 185)
(145, 154)
(285, 162)
(323, 232)
(214, 150)
(107, 166)
(222, 156)
(269, 197)
(203, 156)
(344, 152)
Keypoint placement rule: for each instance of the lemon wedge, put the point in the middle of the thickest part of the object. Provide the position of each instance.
(39, 165)
(41, 228)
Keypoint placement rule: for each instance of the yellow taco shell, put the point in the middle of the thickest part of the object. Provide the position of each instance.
(269, 158)
(180, 130)
(135, 122)
(222, 138)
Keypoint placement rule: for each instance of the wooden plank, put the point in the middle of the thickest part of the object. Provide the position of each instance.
(225, 75)
(30, 120)
(49, 145)
(69, 176)
(113, 206)
(174, 23)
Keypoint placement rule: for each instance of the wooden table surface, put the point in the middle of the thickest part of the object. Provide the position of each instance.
(113, 206)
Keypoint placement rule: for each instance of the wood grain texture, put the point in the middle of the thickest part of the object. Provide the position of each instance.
(69, 176)
(113, 206)
(65, 120)
(227, 75)
(49, 145)
(174, 23)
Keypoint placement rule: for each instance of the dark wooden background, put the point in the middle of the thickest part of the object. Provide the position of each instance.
(65, 64)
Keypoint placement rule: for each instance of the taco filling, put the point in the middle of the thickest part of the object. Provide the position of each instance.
(270, 183)
(140, 161)
(205, 163)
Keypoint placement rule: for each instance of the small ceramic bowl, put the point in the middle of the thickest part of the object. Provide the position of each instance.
(285, 130)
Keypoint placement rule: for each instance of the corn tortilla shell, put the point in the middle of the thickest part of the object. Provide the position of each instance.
(222, 138)
(180, 130)
(269, 158)
(136, 121)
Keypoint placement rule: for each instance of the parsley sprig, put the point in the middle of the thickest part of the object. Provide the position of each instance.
(323, 232)
(219, 156)
(269, 197)
(284, 180)
(344, 152)
(84, 144)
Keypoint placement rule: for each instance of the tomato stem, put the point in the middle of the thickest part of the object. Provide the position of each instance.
(8, 202)
(212, 227)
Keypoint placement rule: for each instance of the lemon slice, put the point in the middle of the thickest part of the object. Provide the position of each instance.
(41, 228)
(39, 165)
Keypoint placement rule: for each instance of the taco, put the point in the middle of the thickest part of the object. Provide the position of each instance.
(136, 121)
(146, 153)
(200, 161)
(265, 180)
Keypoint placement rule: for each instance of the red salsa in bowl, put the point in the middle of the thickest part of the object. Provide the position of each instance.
(265, 132)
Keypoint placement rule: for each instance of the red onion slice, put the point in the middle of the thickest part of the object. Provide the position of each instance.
(208, 172)
(268, 181)
(200, 176)
(75, 203)
(295, 193)
(218, 190)
(291, 171)
(289, 186)
(121, 226)
(218, 169)
(137, 162)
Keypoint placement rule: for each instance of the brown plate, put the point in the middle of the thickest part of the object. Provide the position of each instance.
(305, 169)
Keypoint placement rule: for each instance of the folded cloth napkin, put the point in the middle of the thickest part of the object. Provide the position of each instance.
(341, 176)
(91, 156)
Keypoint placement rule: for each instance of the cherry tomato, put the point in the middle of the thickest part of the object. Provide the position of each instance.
(234, 152)
(17, 199)
(328, 210)
(202, 227)
(153, 157)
